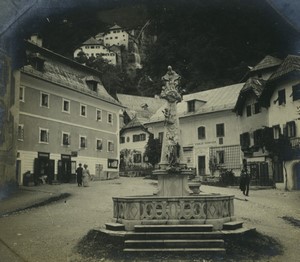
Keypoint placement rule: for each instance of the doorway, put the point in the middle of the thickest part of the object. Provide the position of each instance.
(201, 165)
(297, 176)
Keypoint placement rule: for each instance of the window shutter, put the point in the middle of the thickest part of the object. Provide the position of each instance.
(296, 92)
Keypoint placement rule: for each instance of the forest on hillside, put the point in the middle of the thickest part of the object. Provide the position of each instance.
(209, 43)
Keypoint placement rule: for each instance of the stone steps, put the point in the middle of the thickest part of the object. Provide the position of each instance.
(233, 225)
(189, 250)
(173, 235)
(175, 243)
(174, 238)
(173, 228)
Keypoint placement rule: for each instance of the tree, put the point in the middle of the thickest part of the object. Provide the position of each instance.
(153, 150)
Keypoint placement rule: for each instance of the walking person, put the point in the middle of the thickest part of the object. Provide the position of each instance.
(245, 179)
(85, 176)
(79, 172)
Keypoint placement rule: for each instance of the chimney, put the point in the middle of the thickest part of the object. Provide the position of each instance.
(36, 39)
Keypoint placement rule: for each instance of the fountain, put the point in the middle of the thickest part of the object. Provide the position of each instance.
(174, 203)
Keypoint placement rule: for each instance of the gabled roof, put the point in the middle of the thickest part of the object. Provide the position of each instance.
(134, 124)
(290, 64)
(92, 41)
(289, 68)
(267, 62)
(252, 86)
(136, 105)
(114, 27)
(217, 99)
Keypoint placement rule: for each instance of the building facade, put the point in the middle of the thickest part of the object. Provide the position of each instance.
(209, 131)
(66, 118)
(93, 48)
(281, 97)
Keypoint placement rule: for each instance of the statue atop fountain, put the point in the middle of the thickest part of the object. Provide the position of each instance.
(171, 150)
(173, 174)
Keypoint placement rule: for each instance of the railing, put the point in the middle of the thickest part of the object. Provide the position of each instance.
(148, 209)
(295, 142)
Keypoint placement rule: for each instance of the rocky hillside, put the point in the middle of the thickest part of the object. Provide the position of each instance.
(209, 43)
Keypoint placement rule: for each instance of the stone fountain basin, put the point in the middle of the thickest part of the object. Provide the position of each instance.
(213, 209)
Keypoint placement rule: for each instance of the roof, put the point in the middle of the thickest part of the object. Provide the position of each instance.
(92, 41)
(141, 106)
(114, 27)
(289, 68)
(253, 85)
(267, 62)
(217, 99)
(290, 64)
(67, 72)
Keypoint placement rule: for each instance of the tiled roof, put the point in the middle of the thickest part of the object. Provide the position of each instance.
(218, 99)
(290, 64)
(267, 62)
(141, 106)
(92, 41)
(254, 84)
(66, 72)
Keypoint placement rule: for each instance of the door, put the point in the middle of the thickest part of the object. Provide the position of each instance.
(64, 170)
(18, 172)
(264, 174)
(297, 176)
(201, 165)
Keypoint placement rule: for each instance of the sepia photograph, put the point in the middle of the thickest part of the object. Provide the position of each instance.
(149, 130)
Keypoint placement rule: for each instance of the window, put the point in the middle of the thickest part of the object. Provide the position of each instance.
(257, 137)
(201, 132)
(291, 129)
(82, 142)
(220, 157)
(191, 106)
(92, 47)
(281, 97)
(257, 108)
(44, 136)
(21, 132)
(136, 138)
(245, 140)
(248, 110)
(83, 110)
(22, 94)
(110, 146)
(98, 115)
(99, 145)
(92, 85)
(66, 106)
(161, 137)
(44, 100)
(116, 37)
(296, 92)
(109, 118)
(137, 158)
(122, 139)
(66, 139)
(220, 130)
(143, 137)
(276, 132)
(128, 139)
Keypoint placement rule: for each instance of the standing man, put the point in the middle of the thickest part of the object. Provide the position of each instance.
(79, 175)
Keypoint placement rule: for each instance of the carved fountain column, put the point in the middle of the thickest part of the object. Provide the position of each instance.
(173, 174)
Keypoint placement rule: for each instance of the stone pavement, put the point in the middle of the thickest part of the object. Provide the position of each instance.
(26, 197)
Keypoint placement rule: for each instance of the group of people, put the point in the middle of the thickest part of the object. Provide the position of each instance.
(83, 175)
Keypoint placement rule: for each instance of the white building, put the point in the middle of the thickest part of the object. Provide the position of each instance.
(116, 35)
(94, 48)
(134, 135)
(209, 130)
(281, 97)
